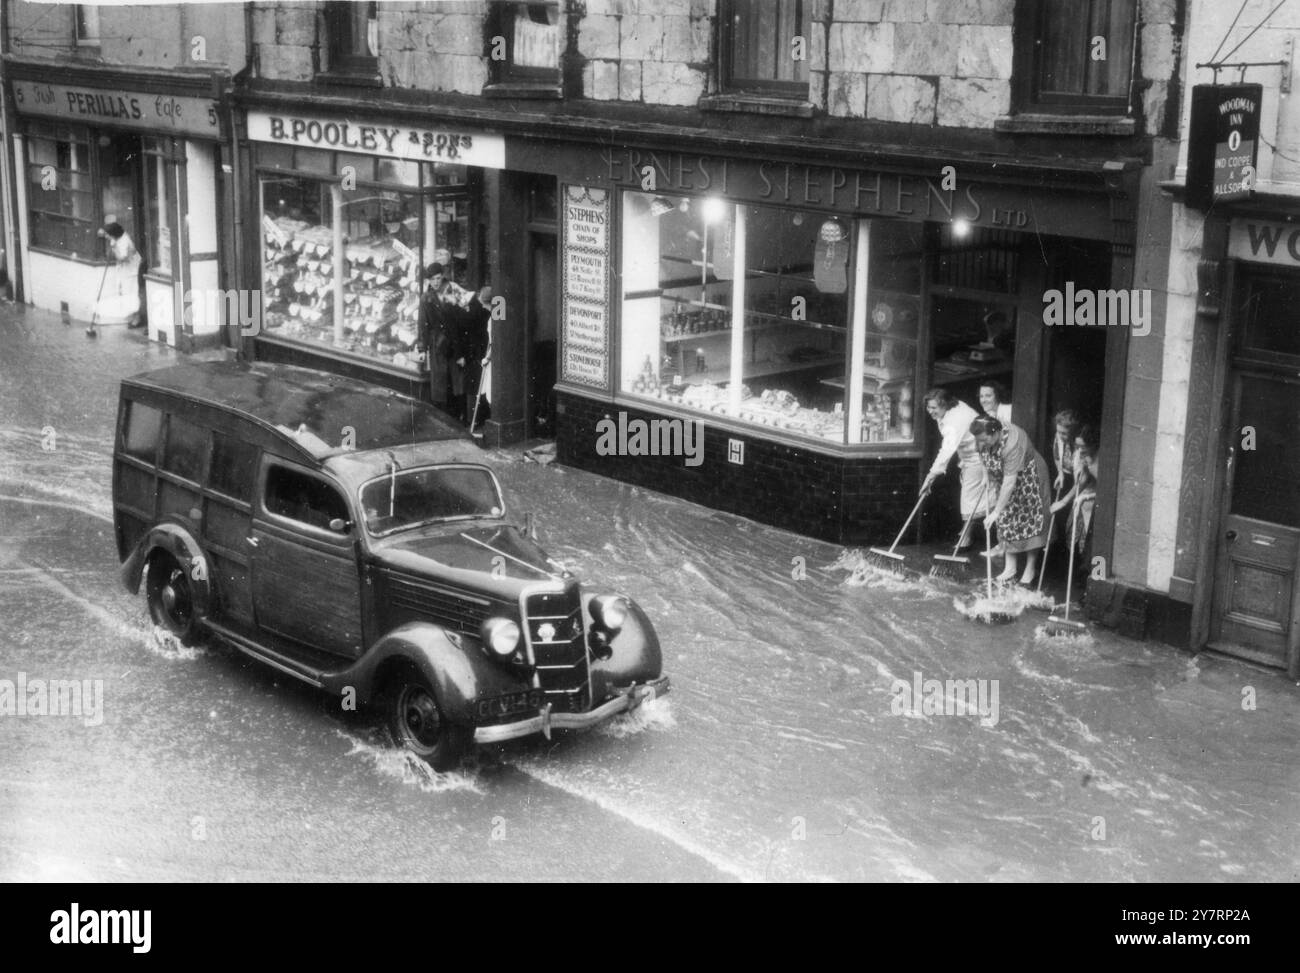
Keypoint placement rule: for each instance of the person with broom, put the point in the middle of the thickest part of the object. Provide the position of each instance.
(1018, 486)
(954, 419)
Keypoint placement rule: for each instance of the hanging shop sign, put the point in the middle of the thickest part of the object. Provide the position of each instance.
(394, 141)
(1223, 142)
(584, 340)
(154, 113)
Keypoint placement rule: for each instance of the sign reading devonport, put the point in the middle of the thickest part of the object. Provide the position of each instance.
(407, 142)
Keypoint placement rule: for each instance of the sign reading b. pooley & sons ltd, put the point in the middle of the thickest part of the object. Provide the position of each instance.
(377, 138)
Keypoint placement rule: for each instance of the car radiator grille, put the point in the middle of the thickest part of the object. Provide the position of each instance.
(561, 658)
(443, 607)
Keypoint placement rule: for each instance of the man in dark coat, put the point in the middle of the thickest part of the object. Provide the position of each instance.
(434, 338)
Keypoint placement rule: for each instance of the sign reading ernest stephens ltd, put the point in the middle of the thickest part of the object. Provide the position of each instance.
(584, 350)
(160, 114)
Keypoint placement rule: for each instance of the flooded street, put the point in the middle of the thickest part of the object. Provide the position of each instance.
(780, 754)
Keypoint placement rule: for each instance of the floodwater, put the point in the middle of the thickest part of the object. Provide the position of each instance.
(789, 748)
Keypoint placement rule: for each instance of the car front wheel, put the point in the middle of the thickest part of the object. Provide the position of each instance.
(417, 723)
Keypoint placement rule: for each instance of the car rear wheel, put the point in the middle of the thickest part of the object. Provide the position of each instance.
(417, 723)
(171, 598)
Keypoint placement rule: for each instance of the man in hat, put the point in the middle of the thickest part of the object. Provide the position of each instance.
(432, 323)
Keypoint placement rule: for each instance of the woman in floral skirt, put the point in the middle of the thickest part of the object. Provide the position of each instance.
(1018, 481)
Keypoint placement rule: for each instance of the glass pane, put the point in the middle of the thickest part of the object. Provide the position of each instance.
(679, 301)
(1069, 35)
(303, 498)
(892, 332)
(142, 426)
(276, 156)
(187, 446)
(233, 465)
(1267, 314)
(1264, 485)
(118, 158)
(315, 160)
(443, 174)
(762, 41)
(297, 264)
(363, 166)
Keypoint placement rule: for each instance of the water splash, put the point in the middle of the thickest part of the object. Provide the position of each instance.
(655, 714)
(983, 609)
(408, 769)
(1063, 640)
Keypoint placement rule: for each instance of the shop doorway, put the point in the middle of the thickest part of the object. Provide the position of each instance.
(1256, 599)
(542, 335)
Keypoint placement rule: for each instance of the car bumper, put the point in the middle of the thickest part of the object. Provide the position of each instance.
(628, 698)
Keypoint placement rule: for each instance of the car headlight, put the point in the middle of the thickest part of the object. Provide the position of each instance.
(609, 611)
(501, 635)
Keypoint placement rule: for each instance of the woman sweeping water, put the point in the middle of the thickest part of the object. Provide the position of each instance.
(1018, 481)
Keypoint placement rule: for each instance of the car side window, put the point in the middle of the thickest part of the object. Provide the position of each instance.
(234, 463)
(140, 438)
(303, 498)
(186, 447)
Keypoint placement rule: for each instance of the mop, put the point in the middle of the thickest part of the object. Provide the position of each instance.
(883, 560)
(1057, 625)
(947, 565)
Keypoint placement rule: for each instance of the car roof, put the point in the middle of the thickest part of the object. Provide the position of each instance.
(307, 409)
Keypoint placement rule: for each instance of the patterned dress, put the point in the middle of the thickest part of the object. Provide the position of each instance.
(1022, 526)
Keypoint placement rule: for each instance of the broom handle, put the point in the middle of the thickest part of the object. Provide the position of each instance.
(1051, 529)
(988, 561)
(961, 539)
(1069, 574)
(919, 500)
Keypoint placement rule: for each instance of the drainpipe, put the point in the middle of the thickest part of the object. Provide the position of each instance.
(8, 171)
(236, 179)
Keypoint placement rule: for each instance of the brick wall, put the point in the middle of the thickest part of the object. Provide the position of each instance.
(841, 500)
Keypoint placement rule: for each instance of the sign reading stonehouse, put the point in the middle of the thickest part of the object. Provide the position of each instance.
(584, 348)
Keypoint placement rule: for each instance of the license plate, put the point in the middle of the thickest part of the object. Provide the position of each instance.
(509, 704)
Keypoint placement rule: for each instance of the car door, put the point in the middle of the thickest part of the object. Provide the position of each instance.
(306, 585)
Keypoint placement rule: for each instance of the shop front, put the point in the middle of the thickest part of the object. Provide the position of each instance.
(797, 313)
(143, 150)
(1240, 549)
(345, 215)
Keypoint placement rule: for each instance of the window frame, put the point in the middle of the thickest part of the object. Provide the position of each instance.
(204, 451)
(728, 84)
(272, 463)
(341, 42)
(507, 77)
(85, 229)
(1027, 51)
(85, 26)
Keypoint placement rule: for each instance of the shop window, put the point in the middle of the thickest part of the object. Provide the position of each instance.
(86, 17)
(157, 242)
(303, 498)
(749, 312)
(117, 164)
(524, 44)
(60, 191)
(764, 46)
(187, 447)
(140, 437)
(397, 218)
(352, 33)
(233, 465)
(1074, 56)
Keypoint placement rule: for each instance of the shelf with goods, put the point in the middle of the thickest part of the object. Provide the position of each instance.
(380, 291)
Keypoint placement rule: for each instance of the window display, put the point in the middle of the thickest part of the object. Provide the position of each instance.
(59, 185)
(360, 248)
(749, 311)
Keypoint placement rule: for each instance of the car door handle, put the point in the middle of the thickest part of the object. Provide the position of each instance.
(251, 540)
(1231, 535)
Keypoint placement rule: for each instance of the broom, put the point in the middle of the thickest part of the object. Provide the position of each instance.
(91, 332)
(1039, 603)
(946, 565)
(1057, 625)
(988, 615)
(884, 560)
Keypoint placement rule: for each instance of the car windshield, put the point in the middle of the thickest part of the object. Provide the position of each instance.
(428, 495)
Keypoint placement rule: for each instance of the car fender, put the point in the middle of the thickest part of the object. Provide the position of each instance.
(181, 544)
(454, 665)
(637, 656)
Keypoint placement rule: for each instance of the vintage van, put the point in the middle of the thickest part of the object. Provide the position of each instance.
(354, 539)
